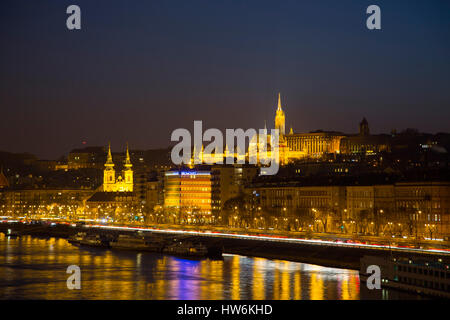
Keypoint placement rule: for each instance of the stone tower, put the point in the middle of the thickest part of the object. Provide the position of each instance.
(279, 118)
(109, 174)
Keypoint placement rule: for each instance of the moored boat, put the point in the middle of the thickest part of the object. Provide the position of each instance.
(140, 243)
(91, 240)
(12, 233)
(186, 249)
(76, 238)
(424, 276)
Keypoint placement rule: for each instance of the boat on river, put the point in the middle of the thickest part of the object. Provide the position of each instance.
(186, 249)
(90, 240)
(428, 276)
(137, 242)
(12, 233)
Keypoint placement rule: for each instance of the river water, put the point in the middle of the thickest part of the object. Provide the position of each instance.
(33, 268)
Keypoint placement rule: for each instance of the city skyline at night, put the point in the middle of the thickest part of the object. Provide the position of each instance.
(223, 155)
(137, 79)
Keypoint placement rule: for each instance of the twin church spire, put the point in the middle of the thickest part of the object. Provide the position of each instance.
(110, 162)
(124, 182)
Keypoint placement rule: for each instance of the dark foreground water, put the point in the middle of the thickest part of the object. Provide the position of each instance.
(32, 268)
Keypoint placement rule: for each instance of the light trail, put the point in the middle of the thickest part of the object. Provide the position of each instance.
(275, 239)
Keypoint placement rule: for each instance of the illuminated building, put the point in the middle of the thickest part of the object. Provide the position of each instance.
(43, 203)
(210, 158)
(116, 202)
(313, 144)
(316, 207)
(411, 209)
(364, 142)
(152, 195)
(89, 157)
(424, 207)
(188, 191)
(291, 146)
(280, 122)
(294, 146)
(228, 181)
(122, 183)
(367, 204)
(119, 207)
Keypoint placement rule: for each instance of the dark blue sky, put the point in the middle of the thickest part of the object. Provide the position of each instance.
(140, 69)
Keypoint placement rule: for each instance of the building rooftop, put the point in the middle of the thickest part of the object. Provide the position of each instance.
(110, 196)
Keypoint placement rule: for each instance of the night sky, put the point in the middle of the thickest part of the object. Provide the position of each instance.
(137, 70)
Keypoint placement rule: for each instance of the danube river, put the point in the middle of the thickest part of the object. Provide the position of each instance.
(32, 268)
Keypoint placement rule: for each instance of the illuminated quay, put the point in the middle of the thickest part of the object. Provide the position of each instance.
(359, 186)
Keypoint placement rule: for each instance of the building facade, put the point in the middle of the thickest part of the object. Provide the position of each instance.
(188, 191)
(43, 203)
(295, 146)
(121, 183)
(229, 181)
(413, 209)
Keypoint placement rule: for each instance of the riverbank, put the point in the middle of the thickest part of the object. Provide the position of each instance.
(328, 255)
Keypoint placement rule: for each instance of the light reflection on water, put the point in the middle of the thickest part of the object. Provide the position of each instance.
(32, 268)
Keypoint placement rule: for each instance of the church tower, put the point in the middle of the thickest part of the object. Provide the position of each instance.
(128, 173)
(109, 174)
(279, 118)
(364, 128)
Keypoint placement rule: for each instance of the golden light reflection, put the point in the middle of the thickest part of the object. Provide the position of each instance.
(235, 278)
(354, 286)
(174, 289)
(204, 271)
(159, 285)
(316, 286)
(108, 260)
(258, 279)
(297, 286)
(117, 275)
(343, 287)
(216, 290)
(285, 281)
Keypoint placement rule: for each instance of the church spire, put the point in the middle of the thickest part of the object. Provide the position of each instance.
(279, 102)
(127, 160)
(280, 118)
(109, 161)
